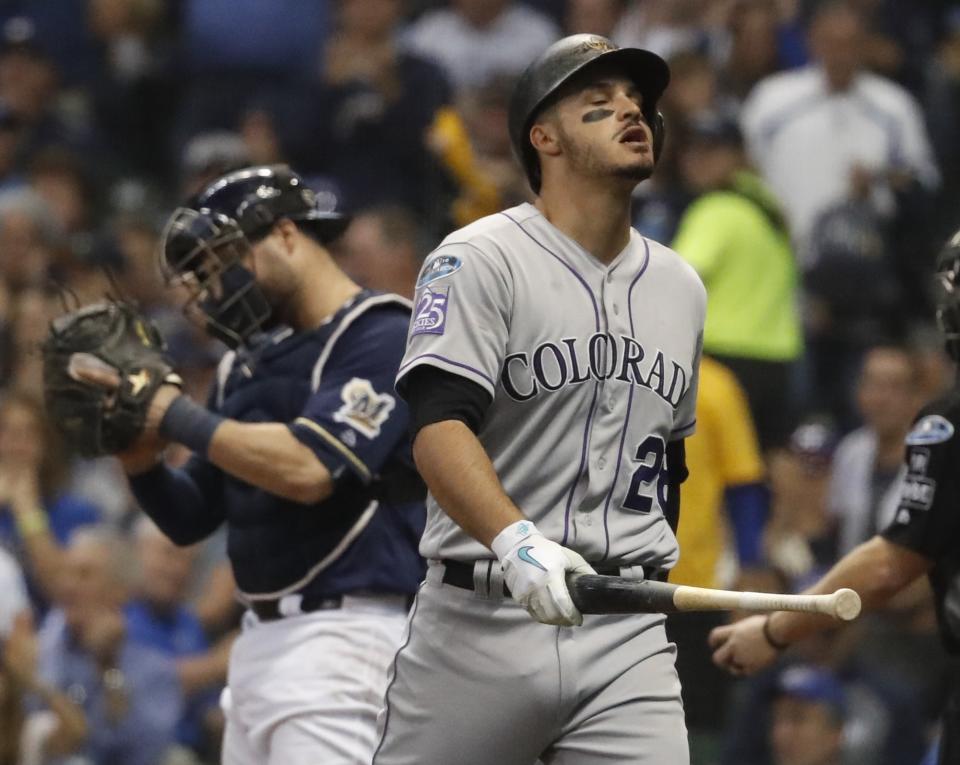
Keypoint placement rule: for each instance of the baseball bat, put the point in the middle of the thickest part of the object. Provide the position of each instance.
(595, 594)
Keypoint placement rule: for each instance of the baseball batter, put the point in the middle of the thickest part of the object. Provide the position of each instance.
(551, 373)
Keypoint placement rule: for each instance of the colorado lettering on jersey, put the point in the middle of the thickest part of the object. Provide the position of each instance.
(572, 361)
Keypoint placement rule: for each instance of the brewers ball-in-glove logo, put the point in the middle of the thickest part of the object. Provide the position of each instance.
(363, 408)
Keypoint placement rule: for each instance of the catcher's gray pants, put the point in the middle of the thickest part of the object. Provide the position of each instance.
(478, 682)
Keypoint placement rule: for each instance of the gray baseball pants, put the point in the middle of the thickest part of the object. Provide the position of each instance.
(478, 682)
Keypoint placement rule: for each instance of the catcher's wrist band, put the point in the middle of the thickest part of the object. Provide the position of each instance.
(774, 643)
(190, 424)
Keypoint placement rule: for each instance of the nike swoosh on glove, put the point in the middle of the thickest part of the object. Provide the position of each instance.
(535, 569)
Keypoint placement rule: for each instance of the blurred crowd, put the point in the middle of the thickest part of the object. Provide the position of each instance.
(810, 173)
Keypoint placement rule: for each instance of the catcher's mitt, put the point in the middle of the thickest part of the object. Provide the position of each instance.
(102, 364)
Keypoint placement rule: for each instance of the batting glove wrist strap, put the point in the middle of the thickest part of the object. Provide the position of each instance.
(535, 569)
(190, 424)
(511, 536)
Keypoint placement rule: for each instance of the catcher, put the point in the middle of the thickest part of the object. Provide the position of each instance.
(303, 452)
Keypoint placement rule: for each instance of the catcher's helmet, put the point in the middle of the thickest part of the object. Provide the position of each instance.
(561, 61)
(947, 289)
(257, 197)
(206, 242)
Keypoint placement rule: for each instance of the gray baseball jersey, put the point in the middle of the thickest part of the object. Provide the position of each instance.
(592, 369)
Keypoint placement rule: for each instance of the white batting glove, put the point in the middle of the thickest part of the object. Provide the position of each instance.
(535, 569)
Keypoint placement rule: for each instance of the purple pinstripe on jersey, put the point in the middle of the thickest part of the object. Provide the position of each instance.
(596, 386)
(626, 420)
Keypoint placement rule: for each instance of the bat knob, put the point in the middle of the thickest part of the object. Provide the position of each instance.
(846, 605)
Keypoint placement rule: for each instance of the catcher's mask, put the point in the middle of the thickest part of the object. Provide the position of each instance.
(947, 295)
(204, 253)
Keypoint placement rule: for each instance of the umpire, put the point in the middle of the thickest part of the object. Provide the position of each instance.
(303, 451)
(924, 537)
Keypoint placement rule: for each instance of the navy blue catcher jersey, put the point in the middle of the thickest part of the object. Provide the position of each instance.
(928, 516)
(333, 386)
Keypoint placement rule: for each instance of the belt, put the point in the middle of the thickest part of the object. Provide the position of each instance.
(295, 604)
(462, 575)
(271, 610)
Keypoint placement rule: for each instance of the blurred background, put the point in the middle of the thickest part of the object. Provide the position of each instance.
(810, 174)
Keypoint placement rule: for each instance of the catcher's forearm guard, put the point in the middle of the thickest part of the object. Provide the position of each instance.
(96, 418)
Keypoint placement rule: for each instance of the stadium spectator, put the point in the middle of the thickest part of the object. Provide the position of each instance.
(132, 86)
(484, 111)
(27, 239)
(797, 537)
(159, 618)
(379, 122)
(36, 517)
(833, 132)
(383, 250)
(33, 738)
(475, 40)
(664, 26)
(130, 693)
(13, 593)
(755, 33)
(942, 101)
(868, 464)
(239, 52)
(598, 17)
(824, 704)
(29, 86)
(736, 237)
(63, 184)
(808, 716)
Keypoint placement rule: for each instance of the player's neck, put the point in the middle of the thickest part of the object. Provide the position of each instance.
(315, 303)
(597, 218)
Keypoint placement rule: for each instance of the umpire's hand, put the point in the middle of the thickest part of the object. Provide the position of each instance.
(535, 570)
(741, 648)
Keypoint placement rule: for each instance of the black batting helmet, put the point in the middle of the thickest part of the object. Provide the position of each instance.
(947, 295)
(206, 243)
(561, 61)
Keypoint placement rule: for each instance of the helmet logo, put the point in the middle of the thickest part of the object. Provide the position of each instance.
(267, 192)
(597, 43)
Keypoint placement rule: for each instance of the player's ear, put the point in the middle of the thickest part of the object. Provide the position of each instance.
(544, 137)
(288, 232)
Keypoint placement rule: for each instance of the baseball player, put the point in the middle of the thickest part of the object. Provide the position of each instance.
(551, 373)
(924, 537)
(304, 454)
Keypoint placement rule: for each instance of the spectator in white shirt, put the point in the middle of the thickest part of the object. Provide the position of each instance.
(13, 593)
(868, 465)
(475, 40)
(833, 132)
